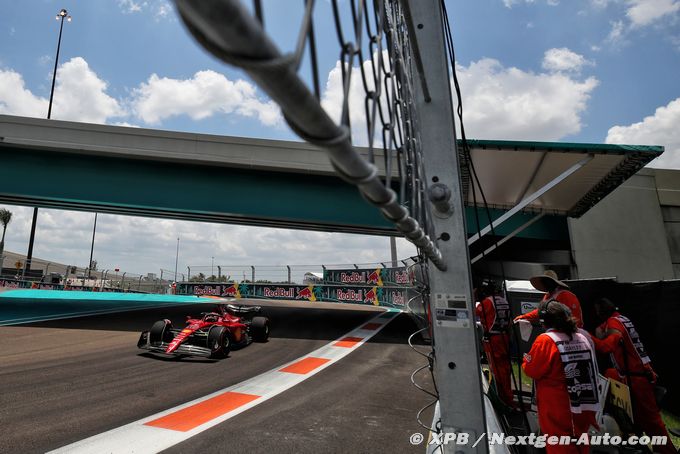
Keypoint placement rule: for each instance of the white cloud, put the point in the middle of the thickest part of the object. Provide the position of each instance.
(563, 60)
(644, 12)
(616, 33)
(160, 9)
(80, 95)
(16, 99)
(332, 99)
(499, 102)
(145, 245)
(658, 129)
(130, 6)
(207, 93)
(601, 4)
(508, 103)
(511, 3)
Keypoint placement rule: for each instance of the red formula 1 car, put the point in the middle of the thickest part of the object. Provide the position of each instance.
(213, 335)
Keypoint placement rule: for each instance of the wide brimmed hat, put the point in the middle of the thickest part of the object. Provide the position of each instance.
(541, 282)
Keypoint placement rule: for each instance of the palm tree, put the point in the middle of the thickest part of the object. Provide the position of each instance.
(5, 217)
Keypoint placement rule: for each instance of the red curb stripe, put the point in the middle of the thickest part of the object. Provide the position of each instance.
(348, 342)
(190, 417)
(305, 366)
(371, 326)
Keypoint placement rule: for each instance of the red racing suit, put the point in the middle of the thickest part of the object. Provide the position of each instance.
(632, 366)
(556, 412)
(494, 314)
(563, 296)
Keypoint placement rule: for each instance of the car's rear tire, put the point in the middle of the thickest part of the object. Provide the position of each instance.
(219, 342)
(259, 328)
(160, 332)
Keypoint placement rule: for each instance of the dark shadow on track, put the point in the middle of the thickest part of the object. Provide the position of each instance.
(286, 322)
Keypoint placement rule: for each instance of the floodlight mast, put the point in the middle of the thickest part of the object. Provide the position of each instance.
(456, 367)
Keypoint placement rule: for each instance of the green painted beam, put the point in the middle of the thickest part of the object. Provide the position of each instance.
(202, 192)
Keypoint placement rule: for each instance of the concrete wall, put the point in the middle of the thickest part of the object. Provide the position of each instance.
(671, 219)
(624, 236)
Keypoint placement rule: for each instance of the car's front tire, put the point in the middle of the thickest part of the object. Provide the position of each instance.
(219, 342)
(160, 332)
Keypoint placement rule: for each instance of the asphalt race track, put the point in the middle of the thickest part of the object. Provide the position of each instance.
(66, 380)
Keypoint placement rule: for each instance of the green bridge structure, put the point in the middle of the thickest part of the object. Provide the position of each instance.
(198, 177)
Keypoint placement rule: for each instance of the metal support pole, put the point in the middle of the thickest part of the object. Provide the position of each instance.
(94, 230)
(176, 259)
(122, 283)
(288, 266)
(219, 273)
(189, 272)
(323, 268)
(139, 285)
(253, 274)
(393, 251)
(63, 14)
(31, 240)
(508, 237)
(456, 367)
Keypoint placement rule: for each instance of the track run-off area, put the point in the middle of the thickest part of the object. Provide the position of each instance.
(332, 378)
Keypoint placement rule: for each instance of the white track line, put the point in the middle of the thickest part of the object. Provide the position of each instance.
(172, 426)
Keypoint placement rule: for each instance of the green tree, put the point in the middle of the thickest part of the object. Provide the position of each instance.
(5, 218)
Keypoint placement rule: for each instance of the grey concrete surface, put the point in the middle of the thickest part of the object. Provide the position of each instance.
(66, 380)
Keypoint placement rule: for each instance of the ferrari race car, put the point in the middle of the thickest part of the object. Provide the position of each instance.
(212, 335)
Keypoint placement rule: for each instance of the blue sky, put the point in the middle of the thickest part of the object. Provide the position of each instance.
(571, 70)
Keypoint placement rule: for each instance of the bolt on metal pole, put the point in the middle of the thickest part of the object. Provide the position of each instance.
(456, 367)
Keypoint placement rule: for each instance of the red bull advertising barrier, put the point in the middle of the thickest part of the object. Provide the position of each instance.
(374, 295)
(370, 276)
(376, 286)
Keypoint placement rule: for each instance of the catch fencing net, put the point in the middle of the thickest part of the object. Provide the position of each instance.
(377, 69)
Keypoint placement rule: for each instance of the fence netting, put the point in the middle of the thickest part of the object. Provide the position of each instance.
(374, 106)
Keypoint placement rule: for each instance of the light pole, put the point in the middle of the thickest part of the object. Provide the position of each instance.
(63, 14)
(94, 229)
(212, 266)
(176, 259)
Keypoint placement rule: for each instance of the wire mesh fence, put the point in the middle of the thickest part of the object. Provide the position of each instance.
(16, 273)
(280, 274)
(375, 106)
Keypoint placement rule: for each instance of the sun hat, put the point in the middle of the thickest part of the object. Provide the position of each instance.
(541, 282)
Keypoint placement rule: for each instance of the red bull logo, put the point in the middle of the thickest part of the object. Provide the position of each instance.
(351, 295)
(398, 298)
(232, 291)
(206, 290)
(371, 297)
(306, 293)
(278, 292)
(353, 278)
(401, 277)
(375, 278)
